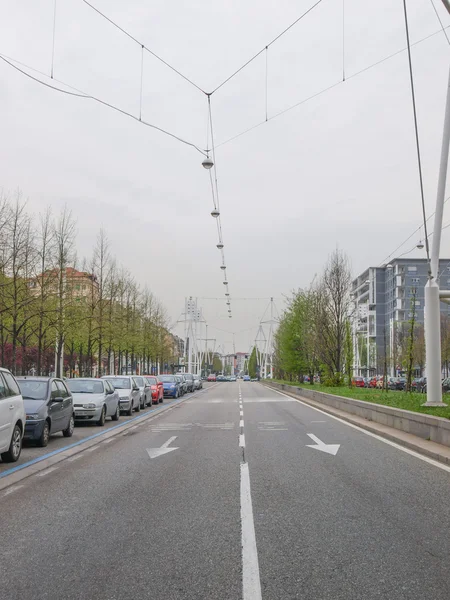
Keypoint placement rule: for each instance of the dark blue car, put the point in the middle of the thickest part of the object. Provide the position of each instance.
(49, 407)
(171, 386)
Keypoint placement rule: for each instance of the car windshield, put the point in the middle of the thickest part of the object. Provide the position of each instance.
(33, 390)
(85, 386)
(167, 378)
(151, 380)
(189, 376)
(120, 383)
(139, 381)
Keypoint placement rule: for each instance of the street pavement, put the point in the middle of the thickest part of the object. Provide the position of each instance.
(83, 430)
(239, 492)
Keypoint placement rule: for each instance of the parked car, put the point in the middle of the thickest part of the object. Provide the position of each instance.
(232, 378)
(49, 408)
(172, 385)
(419, 384)
(128, 390)
(183, 382)
(446, 385)
(212, 377)
(372, 382)
(189, 378)
(380, 383)
(246, 378)
(358, 381)
(144, 388)
(12, 417)
(396, 383)
(94, 399)
(156, 388)
(198, 382)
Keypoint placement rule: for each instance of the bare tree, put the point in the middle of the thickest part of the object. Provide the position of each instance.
(333, 308)
(15, 291)
(64, 232)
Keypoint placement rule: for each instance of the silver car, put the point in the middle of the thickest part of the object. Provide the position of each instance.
(128, 390)
(198, 383)
(94, 400)
(145, 389)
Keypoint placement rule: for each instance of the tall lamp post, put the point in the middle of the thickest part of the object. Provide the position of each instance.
(432, 299)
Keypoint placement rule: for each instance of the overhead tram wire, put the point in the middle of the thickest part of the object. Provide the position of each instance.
(385, 260)
(440, 20)
(84, 95)
(416, 131)
(99, 12)
(329, 87)
(265, 47)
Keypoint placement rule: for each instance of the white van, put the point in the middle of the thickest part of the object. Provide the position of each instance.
(12, 417)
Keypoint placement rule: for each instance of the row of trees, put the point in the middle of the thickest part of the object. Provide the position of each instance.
(54, 317)
(314, 333)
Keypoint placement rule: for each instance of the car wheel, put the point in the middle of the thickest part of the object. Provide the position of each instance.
(102, 419)
(15, 447)
(116, 415)
(68, 432)
(130, 410)
(138, 407)
(45, 435)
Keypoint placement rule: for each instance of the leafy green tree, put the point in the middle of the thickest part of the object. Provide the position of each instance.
(348, 349)
(253, 363)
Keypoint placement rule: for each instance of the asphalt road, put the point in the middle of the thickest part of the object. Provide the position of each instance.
(82, 431)
(369, 522)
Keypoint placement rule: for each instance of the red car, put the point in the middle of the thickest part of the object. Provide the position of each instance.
(157, 387)
(211, 378)
(358, 381)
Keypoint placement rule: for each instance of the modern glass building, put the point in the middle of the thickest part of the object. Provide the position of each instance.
(384, 297)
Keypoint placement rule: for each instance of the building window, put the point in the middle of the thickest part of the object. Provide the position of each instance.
(412, 269)
(417, 280)
(417, 302)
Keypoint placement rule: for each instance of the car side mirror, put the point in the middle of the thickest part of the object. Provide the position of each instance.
(58, 399)
(135, 388)
(110, 391)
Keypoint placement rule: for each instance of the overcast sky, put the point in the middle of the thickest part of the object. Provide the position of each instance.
(337, 171)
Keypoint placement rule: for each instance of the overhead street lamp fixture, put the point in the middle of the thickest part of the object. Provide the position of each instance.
(227, 294)
(220, 246)
(225, 283)
(207, 162)
(223, 267)
(420, 245)
(215, 213)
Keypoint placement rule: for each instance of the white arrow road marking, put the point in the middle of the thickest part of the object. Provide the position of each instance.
(328, 448)
(155, 452)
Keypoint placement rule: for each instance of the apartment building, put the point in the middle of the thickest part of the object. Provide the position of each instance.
(383, 297)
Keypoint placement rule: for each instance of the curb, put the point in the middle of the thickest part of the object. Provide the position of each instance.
(16, 474)
(433, 450)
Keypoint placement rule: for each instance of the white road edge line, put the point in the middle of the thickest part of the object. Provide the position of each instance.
(426, 459)
(241, 413)
(241, 440)
(12, 489)
(46, 472)
(241, 423)
(251, 584)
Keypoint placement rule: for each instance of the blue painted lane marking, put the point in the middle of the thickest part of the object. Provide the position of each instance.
(91, 437)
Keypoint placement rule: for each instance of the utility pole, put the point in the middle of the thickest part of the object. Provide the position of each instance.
(432, 296)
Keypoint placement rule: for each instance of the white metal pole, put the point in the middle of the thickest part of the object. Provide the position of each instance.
(432, 303)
